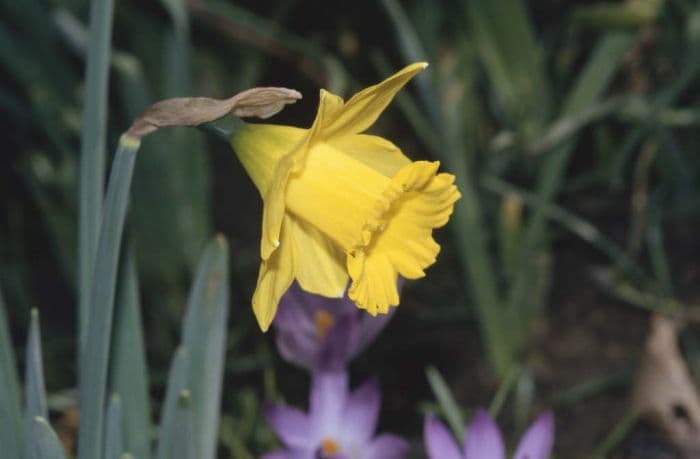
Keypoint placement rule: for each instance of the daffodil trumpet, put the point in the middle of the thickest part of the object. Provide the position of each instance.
(341, 205)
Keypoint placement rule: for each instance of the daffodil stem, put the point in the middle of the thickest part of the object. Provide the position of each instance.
(95, 353)
(223, 128)
(92, 152)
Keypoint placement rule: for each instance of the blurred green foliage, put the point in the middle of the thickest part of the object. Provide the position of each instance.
(564, 124)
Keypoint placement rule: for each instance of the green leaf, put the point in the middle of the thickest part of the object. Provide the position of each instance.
(447, 402)
(181, 441)
(414, 51)
(35, 391)
(177, 379)
(595, 78)
(46, 444)
(92, 154)
(10, 413)
(199, 363)
(95, 354)
(128, 373)
(114, 438)
(513, 60)
(205, 342)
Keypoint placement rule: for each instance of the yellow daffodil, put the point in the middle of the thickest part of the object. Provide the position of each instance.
(340, 204)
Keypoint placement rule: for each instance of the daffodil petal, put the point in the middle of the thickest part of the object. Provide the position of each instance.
(260, 147)
(330, 106)
(275, 276)
(320, 268)
(291, 163)
(373, 151)
(338, 196)
(402, 242)
(363, 109)
(273, 208)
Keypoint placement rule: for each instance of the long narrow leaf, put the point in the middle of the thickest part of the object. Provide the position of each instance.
(92, 153)
(128, 373)
(594, 80)
(414, 51)
(181, 444)
(446, 400)
(34, 380)
(11, 433)
(177, 379)
(95, 354)
(36, 388)
(512, 59)
(205, 341)
(114, 437)
(47, 444)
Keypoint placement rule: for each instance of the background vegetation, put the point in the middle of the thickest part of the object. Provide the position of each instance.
(571, 127)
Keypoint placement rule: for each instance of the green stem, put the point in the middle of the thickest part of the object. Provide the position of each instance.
(92, 152)
(623, 427)
(95, 354)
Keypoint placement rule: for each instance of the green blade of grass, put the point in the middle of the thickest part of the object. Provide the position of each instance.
(593, 387)
(35, 392)
(513, 60)
(414, 51)
(504, 389)
(580, 227)
(178, 194)
(595, 78)
(616, 435)
(114, 438)
(450, 146)
(92, 154)
(46, 444)
(183, 443)
(177, 380)
(444, 396)
(128, 372)
(95, 354)
(205, 341)
(271, 39)
(11, 434)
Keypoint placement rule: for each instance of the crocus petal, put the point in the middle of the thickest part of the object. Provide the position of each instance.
(295, 329)
(538, 440)
(275, 276)
(329, 391)
(297, 348)
(363, 109)
(294, 454)
(374, 151)
(483, 439)
(336, 347)
(321, 270)
(290, 424)
(361, 413)
(387, 446)
(439, 442)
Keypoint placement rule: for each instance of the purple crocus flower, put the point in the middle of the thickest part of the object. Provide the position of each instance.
(483, 439)
(320, 333)
(339, 425)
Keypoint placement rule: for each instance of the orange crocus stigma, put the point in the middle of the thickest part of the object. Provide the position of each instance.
(329, 448)
(324, 321)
